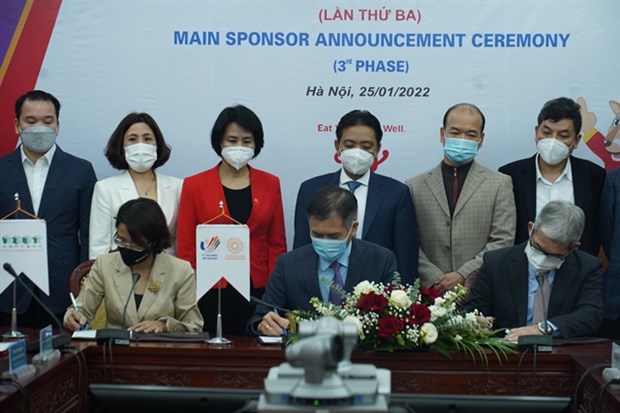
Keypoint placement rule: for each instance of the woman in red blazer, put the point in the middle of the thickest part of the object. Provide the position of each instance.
(250, 196)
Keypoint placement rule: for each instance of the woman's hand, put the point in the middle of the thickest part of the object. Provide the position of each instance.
(149, 327)
(73, 320)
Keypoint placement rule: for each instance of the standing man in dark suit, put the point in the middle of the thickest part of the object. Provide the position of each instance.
(512, 280)
(335, 254)
(610, 233)
(385, 210)
(553, 173)
(55, 186)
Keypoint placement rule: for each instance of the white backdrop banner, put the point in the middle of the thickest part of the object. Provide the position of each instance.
(301, 65)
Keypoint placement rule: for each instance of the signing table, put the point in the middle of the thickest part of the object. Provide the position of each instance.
(245, 364)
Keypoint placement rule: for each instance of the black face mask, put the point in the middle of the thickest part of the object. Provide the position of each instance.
(131, 257)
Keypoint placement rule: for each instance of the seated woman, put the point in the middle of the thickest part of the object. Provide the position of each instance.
(161, 289)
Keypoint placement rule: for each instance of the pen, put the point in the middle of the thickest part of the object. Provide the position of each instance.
(82, 326)
(284, 330)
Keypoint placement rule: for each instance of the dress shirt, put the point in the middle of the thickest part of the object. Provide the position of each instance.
(532, 287)
(562, 189)
(36, 174)
(327, 273)
(361, 193)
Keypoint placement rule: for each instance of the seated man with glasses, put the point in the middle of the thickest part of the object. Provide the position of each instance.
(543, 281)
(145, 291)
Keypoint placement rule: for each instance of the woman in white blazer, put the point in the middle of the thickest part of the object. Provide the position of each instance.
(137, 147)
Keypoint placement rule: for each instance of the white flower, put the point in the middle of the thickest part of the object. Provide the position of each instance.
(437, 312)
(363, 288)
(458, 337)
(399, 298)
(439, 301)
(428, 332)
(471, 317)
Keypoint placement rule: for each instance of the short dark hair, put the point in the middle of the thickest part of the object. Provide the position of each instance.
(36, 95)
(243, 117)
(561, 108)
(359, 118)
(114, 149)
(332, 201)
(146, 223)
(465, 105)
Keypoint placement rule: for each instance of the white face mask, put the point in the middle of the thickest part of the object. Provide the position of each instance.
(237, 156)
(356, 160)
(540, 261)
(552, 150)
(140, 156)
(38, 138)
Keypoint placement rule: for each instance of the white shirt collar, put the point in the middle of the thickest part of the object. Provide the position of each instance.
(566, 173)
(344, 178)
(48, 156)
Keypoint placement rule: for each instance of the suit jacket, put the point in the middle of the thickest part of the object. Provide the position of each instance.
(174, 303)
(65, 207)
(200, 199)
(575, 304)
(587, 185)
(389, 219)
(483, 220)
(610, 234)
(295, 279)
(111, 193)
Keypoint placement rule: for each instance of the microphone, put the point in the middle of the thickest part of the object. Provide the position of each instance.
(135, 277)
(59, 340)
(120, 336)
(258, 301)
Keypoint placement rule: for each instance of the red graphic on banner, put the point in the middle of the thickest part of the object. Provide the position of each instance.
(22, 61)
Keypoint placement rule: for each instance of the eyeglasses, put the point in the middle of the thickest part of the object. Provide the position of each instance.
(128, 245)
(537, 248)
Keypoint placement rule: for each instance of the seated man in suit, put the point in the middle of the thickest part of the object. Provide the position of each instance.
(334, 254)
(516, 283)
(385, 211)
(610, 234)
(553, 173)
(463, 209)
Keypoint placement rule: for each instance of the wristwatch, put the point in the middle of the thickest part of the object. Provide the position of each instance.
(541, 327)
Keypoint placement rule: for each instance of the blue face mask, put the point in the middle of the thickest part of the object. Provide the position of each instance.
(330, 249)
(460, 151)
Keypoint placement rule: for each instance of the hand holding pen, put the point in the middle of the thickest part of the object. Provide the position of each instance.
(273, 325)
(82, 320)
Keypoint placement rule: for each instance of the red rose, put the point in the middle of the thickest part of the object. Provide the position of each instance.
(420, 314)
(389, 327)
(372, 302)
(430, 294)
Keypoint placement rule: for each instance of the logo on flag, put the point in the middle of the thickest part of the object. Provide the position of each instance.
(212, 245)
(234, 245)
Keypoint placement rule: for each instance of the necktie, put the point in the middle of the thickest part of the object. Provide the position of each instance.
(353, 185)
(541, 299)
(334, 297)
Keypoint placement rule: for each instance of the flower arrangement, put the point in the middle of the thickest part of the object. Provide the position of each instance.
(402, 317)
